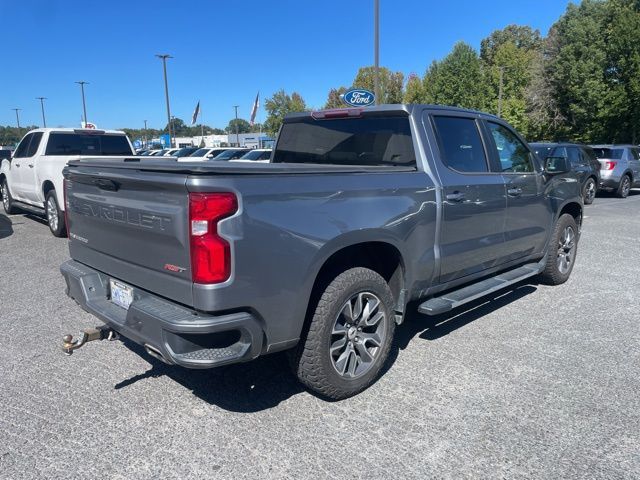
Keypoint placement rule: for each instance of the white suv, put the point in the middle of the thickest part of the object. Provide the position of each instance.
(32, 179)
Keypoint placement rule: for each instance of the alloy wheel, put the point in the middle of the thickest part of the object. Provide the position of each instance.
(590, 192)
(566, 249)
(52, 213)
(358, 334)
(5, 197)
(626, 186)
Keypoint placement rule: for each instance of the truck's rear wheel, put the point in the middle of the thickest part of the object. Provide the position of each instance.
(349, 337)
(55, 217)
(7, 199)
(562, 251)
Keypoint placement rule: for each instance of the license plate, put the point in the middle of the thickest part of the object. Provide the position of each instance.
(121, 294)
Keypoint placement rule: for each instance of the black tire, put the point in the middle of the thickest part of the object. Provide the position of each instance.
(589, 191)
(7, 199)
(315, 366)
(624, 187)
(55, 217)
(560, 256)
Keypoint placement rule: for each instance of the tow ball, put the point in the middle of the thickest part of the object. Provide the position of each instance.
(87, 335)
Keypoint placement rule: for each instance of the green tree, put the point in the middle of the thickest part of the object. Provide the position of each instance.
(622, 73)
(414, 91)
(243, 126)
(577, 66)
(334, 99)
(279, 105)
(510, 54)
(457, 80)
(390, 83)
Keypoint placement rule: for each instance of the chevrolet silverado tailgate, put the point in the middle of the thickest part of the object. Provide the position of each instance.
(132, 225)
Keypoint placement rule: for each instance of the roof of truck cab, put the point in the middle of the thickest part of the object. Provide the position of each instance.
(407, 108)
(76, 130)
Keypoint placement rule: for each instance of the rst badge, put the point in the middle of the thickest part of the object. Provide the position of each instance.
(359, 97)
(174, 268)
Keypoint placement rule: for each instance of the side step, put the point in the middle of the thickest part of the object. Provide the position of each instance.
(448, 301)
(29, 208)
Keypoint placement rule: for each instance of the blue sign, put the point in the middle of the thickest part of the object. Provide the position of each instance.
(137, 143)
(359, 97)
(165, 140)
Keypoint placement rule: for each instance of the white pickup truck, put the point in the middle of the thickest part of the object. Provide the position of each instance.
(32, 179)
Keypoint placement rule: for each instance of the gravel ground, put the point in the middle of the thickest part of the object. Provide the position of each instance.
(536, 382)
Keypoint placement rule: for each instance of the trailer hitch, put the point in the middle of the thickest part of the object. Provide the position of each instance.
(87, 335)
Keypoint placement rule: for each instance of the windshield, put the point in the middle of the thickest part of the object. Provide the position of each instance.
(609, 153)
(256, 155)
(200, 153)
(352, 141)
(88, 144)
(230, 154)
(184, 152)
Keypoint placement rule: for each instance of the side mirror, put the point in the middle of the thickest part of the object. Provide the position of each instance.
(556, 165)
(210, 155)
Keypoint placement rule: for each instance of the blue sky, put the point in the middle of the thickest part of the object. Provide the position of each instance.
(224, 52)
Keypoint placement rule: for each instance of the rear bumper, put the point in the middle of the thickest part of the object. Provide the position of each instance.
(168, 331)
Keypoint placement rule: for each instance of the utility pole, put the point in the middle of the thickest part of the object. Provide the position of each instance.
(164, 57)
(500, 90)
(82, 83)
(376, 50)
(42, 99)
(17, 118)
(237, 134)
(146, 142)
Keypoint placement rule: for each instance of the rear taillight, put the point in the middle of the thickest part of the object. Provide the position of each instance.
(609, 165)
(210, 253)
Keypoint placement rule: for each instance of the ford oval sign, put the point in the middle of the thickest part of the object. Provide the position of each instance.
(359, 97)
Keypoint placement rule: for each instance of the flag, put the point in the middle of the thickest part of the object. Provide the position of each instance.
(196, 112)
(254, 110)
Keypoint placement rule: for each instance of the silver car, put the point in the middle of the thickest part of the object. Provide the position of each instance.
(619, 168)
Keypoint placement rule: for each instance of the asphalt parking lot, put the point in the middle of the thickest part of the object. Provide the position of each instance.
(537, 382)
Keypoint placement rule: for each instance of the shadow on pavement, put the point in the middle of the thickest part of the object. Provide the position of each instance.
(267, 381)
(6, 227)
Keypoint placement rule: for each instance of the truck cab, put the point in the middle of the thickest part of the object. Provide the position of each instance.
(32, 178)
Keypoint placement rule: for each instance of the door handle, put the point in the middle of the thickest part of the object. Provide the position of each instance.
(455, 196)
(17, 165)
(31, 165)
(514, 192)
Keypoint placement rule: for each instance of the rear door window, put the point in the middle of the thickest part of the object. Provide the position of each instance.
(574, 156)
(35, 143)
(87, 144)
(513, 154)
(347, 141)
(609, 153)
(461, 146)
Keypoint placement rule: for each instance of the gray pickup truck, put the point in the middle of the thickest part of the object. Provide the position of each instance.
(360, 215)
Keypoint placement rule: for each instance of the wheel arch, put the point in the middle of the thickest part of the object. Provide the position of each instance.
(574, 209)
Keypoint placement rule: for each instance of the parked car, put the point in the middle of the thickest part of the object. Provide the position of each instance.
(257, 155)
(206, 153)
(583, 162)
(361, 215)
(620, 168)
(170, 152)
(230, 154)
(184, 152)
(32, 179)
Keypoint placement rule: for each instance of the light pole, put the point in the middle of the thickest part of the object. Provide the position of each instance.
(146, 143)
(164, 57)
(17, 118)
(237, 134)
(42, 99)
(82, 83)
(376, 50)
(500, 90)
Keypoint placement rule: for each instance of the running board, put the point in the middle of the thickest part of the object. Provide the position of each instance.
(29, 208)
(471, 292)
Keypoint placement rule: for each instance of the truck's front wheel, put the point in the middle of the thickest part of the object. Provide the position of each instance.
(7, 199)
(349, 337)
